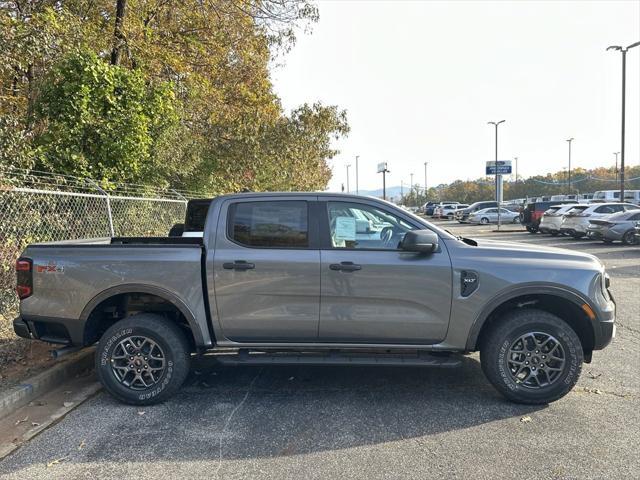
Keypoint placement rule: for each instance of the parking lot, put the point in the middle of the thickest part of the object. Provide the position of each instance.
(365, 422)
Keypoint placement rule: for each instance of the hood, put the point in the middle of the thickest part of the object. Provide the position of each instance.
(535, 252)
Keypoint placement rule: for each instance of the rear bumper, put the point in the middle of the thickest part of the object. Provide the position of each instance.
(63, 331)
(21, 328)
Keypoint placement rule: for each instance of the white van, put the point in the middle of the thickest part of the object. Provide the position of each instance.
(631, 196)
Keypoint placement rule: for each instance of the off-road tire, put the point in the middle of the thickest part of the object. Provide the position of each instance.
(494, 355)
(171, 342)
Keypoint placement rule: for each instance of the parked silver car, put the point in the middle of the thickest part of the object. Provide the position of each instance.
(619, 226)
(490, 215)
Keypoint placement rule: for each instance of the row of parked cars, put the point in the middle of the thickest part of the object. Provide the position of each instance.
(609, 222)
(478, 212)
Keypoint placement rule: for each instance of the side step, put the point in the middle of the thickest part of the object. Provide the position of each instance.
(417, 359)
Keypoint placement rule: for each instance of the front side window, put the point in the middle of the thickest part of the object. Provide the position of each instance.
(282, 224)
(354, 225)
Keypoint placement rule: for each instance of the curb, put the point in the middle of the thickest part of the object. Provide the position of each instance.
(33, 387)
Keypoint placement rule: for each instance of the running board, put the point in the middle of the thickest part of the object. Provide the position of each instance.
(419, 359)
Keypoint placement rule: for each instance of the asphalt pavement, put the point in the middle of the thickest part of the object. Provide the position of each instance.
(366, 422)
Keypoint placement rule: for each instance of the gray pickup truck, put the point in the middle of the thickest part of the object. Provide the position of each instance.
(316, 278)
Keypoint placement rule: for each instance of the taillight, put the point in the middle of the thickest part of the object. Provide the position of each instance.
(24, 274)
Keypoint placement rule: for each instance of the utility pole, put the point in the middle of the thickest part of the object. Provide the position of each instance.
(357, 189)
(497, 124)
(616, 154)
(569, 140)
(516, 160)
(402, 190)
(348, 165)
(624, 87)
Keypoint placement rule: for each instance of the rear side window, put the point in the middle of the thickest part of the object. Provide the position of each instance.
(196, 215)
(635, 217)
(282, 224)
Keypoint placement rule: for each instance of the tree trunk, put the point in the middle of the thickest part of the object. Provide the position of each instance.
(118, 35)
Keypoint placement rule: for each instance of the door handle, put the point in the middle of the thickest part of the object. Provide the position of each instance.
(238, 265)
(345, 267)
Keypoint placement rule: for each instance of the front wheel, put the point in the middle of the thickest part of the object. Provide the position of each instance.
(484, 220)
(531, 356)
(143, 359)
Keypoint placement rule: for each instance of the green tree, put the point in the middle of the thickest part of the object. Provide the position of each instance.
(101, 121)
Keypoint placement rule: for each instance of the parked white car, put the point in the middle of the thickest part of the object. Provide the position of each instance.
(490, 215)
(551, 220)
(438, 210)
(449, 211)
(576, 221)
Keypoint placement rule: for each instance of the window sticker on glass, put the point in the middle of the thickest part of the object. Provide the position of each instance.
(345, 228)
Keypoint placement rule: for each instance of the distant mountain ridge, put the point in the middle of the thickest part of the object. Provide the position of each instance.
(391, 192)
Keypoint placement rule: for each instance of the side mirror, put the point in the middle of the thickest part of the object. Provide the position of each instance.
(421, 241)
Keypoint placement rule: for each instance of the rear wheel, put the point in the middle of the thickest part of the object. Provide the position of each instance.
(629, 238)
(577, 235)
(532, 229)
(516, 219)
(531, 356)
(143, 359)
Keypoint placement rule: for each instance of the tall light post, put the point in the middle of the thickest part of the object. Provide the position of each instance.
(348, 165)
(516, 160)
(382, 168)
(411, 186)
(616, 154)
(357, 189)
(497, 124)
(569, 140)
(624, 86)
(425, 180)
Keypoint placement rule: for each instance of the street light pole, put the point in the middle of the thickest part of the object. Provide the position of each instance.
(425, 181)
(624, 87)
(357, 189)
(496, 124)
(516, 160)
(616, 154)
(348, 165)
(569, 140)
(411, 186)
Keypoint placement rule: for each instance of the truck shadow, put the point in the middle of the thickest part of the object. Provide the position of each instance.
(230, 413)
(281, 410)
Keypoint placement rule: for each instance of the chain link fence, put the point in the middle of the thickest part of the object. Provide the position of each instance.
(42, 207)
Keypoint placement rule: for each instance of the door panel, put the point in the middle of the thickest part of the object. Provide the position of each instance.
(373, 292)
(266, 294)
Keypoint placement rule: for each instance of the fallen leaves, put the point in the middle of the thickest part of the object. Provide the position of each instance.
(18, 422)
(57, 461)
(525, 419)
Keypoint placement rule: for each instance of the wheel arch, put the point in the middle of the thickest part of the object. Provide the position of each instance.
(92, 319)
(566, 304)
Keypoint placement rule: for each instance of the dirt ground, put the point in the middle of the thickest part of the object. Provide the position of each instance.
(27, 358)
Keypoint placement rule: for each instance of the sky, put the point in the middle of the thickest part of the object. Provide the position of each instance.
(421, 79)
